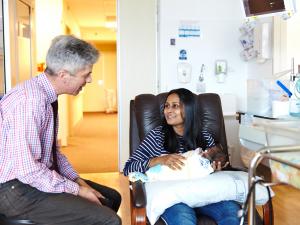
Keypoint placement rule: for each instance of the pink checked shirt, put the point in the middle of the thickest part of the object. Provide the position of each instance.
(26, 137)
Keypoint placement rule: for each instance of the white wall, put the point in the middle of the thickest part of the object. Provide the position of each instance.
(70, 110)
(136, 60)
(293, 37)
(219, 23)
(219, 29)
(46, 28)
(46, 9)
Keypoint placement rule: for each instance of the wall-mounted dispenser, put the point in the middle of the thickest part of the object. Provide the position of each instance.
(201, 87)
(221, 70)
(262, 42)
(184, 71)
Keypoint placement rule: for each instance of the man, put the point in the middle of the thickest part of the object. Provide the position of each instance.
(36, 180)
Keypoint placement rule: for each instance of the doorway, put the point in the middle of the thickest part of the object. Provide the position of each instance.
(17, 49)
(93, 134)
(93, 141)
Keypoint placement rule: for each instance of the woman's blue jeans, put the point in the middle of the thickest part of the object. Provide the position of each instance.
(223, 213)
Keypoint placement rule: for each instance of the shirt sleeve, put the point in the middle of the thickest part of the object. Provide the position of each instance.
(65, 167)
(150, 147)
(27, 149)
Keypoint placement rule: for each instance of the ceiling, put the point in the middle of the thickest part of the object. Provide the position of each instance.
(91, 15)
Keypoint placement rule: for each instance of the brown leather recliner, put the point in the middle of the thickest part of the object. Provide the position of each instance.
(146, 113)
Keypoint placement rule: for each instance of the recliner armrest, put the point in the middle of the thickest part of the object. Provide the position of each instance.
(138, 194)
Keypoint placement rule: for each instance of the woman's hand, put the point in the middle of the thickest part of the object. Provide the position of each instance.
(217, 165)
(173, 161)
(216, 156)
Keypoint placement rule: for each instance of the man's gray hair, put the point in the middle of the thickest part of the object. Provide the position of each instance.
(71, 54)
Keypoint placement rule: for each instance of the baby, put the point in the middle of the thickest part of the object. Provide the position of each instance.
(196, 165)
(216, 154)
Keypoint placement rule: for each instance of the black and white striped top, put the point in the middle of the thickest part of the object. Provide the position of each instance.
(153, 146)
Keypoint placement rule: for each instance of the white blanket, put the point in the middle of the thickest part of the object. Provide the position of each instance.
(195, 166)
(219, 186)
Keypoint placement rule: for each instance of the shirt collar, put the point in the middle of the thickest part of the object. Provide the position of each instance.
(47, 86)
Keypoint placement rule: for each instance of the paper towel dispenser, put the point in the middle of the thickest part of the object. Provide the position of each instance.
(262, 43)
(184, 71)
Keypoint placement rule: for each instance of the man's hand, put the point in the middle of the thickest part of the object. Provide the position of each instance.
(87, 192)
(173, 161)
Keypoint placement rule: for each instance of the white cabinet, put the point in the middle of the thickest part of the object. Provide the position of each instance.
(286, 43)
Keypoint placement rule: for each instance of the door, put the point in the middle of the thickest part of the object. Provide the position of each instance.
(18, 41)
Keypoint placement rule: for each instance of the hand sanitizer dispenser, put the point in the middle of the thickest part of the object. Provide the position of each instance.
(221, 70)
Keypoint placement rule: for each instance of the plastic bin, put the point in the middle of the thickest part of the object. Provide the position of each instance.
(261, 94)
(284, 133)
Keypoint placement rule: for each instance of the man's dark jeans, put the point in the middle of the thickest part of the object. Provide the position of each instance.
(25, 202)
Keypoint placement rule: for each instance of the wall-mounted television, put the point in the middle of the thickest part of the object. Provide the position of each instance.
(267, 7)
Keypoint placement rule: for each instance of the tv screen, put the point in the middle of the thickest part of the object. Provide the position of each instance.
(262, 7)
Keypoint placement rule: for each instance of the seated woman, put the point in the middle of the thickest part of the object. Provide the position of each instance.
(180, 132)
